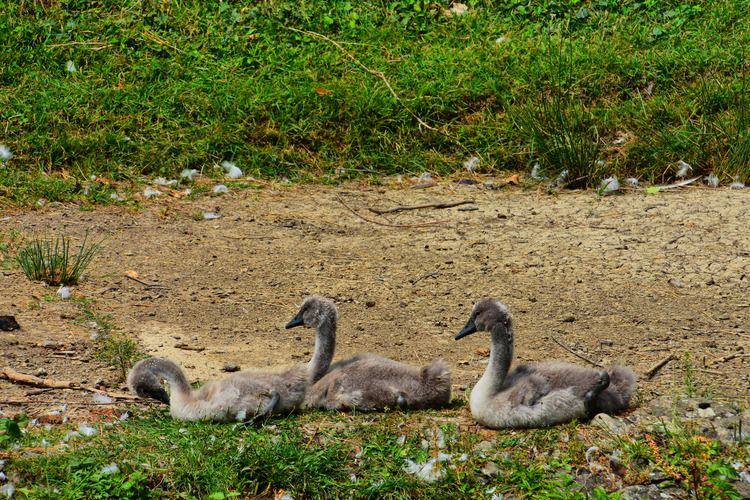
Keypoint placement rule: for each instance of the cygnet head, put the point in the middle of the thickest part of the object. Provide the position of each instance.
(315, 311)
(486, 314)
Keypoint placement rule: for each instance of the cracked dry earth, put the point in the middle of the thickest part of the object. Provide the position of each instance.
(621, 279)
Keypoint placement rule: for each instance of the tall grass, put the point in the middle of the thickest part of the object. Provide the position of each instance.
(161, 87)
(52, 261)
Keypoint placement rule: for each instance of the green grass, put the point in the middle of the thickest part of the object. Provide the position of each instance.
(52, 261)
(161, 87)
(322, 455)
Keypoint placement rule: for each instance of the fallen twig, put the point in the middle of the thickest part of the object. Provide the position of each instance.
(675, 239)
(385, 223)
(417, 207)
(414, 282)
(35, 392)
(34, 381)
(186, 347)
(146, 284)
(728, 358)
(712, 372)
(20, 402)
(658, 366)
(577, 354)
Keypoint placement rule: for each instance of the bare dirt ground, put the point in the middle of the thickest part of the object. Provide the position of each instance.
(620, 279)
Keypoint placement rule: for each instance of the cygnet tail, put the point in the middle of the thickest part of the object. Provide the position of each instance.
(436, 372)
(266, 410)
(616, 397)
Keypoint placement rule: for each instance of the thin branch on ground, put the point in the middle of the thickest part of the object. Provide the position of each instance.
(147, 285)
(22, 378)
(577, 354)
(428, 275)
(418, 224)
(418, 207)
(658, 366)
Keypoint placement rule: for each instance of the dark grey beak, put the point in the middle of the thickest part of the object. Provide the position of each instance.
(157, 394)
(296, 321)
(468, 329)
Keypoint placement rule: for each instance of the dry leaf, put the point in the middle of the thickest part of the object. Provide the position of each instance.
(513, 179)
(323, 91)
(132, 274)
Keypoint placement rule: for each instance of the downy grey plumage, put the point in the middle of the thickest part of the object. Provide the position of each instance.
(537, 394)
(243, 396)
(365, 382)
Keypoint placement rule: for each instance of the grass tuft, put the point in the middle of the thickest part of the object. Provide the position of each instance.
(51, 260)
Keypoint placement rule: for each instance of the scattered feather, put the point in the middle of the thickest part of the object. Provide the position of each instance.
(425, 177)
(678, 184)
(148, 193)
(401, 439)
(161, 181)
(536, 173)
(71, 67)
(712, 180)
(188, 173)
(600, 163)
(40, 202)
(737, 184)
(64, 292)
(685, 169)
(8, 489)
(591, 454)
(220, 189)
(562, 179)
(210, 215)
(610, 184)
(425, 471)
(632, 181)
(5, 153)
(444, 457)
(440, 438)
(85, 430)
(459, 9)
(110, 469)
(472, 163)
(233, 172)
(115, 197)
(500, 40)
(102, 398)
(744, 477)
